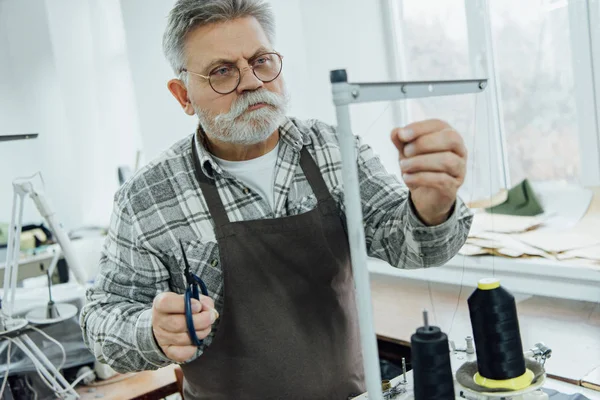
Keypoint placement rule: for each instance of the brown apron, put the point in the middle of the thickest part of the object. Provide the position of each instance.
(289, 328)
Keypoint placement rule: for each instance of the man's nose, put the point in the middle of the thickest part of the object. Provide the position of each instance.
(248, 81)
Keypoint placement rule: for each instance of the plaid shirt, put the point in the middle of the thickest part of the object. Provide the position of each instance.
(163, 204)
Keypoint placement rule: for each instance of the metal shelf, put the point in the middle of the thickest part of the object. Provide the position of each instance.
(23, 136)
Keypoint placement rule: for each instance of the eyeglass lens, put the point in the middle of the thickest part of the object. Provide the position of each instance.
(226, 78)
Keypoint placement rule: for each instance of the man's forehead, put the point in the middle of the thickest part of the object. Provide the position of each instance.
(233, 54)
(232, 40)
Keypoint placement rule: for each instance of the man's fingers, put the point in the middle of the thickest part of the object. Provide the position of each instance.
(447, 162)
(205, 319)
(448, 140)
(177, 323)
(411, 143)
(172, 339)
(435, 180)
(178, 339)
(417, 129)
(398, 142)
(174, 323)
(207, 302)
(173, 303)
(180, 353)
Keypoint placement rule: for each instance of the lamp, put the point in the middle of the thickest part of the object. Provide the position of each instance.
(13, 328)
(53, 312)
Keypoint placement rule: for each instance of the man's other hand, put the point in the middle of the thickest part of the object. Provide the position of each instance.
(170, 328)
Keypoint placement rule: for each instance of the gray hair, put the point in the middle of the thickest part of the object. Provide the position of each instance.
(187, 15)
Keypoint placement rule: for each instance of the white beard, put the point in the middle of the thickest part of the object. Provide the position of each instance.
(244, 127)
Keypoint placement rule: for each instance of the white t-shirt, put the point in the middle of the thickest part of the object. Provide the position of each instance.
(257, 174)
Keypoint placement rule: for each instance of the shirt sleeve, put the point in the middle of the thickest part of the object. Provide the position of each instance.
(393, 231)
(117, 317)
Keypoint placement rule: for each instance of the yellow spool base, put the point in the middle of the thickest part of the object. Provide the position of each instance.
(518, 383)
(488, 284)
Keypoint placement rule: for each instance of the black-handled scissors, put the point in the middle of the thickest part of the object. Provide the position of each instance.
(193, 281)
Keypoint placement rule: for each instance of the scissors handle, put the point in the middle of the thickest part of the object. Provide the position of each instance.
(192, 292)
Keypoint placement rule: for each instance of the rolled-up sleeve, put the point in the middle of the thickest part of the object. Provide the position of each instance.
(117, 317)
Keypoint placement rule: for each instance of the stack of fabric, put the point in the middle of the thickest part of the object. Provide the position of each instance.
(520, 227)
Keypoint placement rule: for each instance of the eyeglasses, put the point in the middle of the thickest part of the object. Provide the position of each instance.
(226, 78)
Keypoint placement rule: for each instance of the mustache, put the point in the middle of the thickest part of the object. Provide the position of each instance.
(241, 104)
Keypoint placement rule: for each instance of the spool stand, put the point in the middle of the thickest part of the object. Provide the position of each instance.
(345, 94)
(464, 368)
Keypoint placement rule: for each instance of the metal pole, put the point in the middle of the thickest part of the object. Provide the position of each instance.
(345, 94)
(358, 251)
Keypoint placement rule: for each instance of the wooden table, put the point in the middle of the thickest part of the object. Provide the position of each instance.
(570, 328)
(146, 385)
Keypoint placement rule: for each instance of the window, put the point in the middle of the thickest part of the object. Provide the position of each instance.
(433, 41)
(534, 64)
(538, 118)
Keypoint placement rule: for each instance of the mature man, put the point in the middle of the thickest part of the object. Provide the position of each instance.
(254, 202)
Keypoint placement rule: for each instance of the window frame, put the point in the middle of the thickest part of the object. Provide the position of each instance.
(584, 33)
(582, 16)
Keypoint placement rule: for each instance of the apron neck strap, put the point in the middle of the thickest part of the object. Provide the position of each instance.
(314, 176)
(213, 200)
(209, 190)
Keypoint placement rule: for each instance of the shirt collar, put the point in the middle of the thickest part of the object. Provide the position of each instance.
(288, 134)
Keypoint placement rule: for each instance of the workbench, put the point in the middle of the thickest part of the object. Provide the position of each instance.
(146, 385)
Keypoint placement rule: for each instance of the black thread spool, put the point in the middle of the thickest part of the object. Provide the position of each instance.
(432, 372)
(500, 359)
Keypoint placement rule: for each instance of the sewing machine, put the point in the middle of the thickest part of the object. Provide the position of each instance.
(401, 387)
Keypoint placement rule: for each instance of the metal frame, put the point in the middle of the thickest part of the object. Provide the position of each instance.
(587, 87)
(23, 136)
(594, 26)
(345, 94)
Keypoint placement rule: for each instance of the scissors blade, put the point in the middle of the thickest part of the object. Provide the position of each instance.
(185, 261)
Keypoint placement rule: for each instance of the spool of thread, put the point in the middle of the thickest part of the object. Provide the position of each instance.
(500, 360)
(431, 363)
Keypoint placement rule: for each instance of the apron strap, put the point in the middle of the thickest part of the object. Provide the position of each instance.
(314, 177)
(325, 201)
(209, 190)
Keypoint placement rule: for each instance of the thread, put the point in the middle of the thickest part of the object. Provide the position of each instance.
(432, 372)
(497, 336)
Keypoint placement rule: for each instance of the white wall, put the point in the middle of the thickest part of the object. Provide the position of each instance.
(93, 69)
(349, 34)
(291, 42)
(162, 122)
(65, 75)
(30, 101)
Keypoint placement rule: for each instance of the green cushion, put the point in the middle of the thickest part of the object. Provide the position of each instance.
(521, 201)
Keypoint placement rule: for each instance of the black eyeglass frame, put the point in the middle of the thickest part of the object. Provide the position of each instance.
(240, 72)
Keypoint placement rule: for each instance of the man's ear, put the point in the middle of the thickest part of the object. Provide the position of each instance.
(179, 91)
